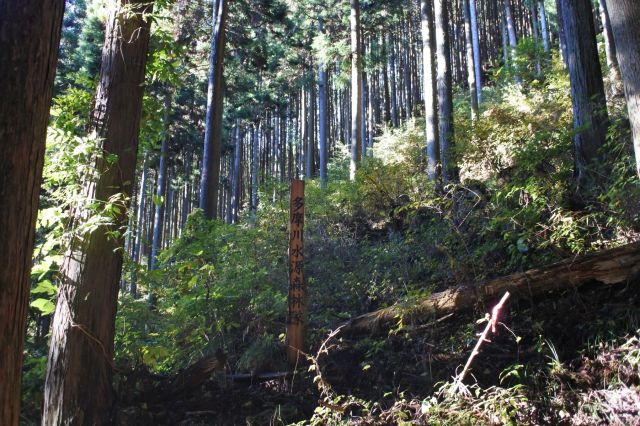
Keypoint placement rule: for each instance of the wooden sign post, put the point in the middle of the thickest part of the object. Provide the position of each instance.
(297, 291)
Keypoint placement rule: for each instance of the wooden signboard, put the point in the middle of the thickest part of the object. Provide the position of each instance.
(297, 291)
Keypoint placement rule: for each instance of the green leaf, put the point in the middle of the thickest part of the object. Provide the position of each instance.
(45, 287)
(45, 306)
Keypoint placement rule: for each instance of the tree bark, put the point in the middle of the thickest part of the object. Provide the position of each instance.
(477, 62)
(78, 387)
(610, 48)
(356, 90)
(544, 26)
(322, 116)
(210, 180)
(587, 89)
(445, 90)
(29, 39)
(142, 198)
(254, 171)
(608, 267)
(430, 91)
(471, 69)
(625, 16)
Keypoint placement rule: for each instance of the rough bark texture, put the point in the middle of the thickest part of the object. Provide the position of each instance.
(607, 267)
(356, 89)
(29, 38)
(78, 387)
(213, 125)
(625, 21)
(587, 89)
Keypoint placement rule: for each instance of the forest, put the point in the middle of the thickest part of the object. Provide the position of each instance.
(278, 212)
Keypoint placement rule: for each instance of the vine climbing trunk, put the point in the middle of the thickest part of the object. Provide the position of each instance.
(78, 388)
(29, 38)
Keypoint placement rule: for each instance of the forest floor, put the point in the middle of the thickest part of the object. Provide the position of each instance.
(544, 366)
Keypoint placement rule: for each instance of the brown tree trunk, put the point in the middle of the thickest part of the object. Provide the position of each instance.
(78, 387)
(210, 182)
(445, 92)
(625, 15)
(587, 89)
(29, 38)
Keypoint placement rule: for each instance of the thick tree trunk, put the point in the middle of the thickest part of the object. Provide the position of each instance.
(29, 38)
(607, 267)
(78, 387)
(587, 89)
(210, 180)
(625, 16)
(430, 92)
(445, 90)
(356, 90)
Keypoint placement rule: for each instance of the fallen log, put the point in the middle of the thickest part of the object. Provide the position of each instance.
(608, 267)
(160, 388)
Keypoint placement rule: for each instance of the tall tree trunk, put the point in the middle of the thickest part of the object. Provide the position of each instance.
(477, 62)
(210, 180)
(235, 192)
(471, 69)
(610, 48)
(445, 90)
(81, 349)
(385, 81)
(561, 34)
(587, 89)
(255, 135)
(356, 89)
(393, 82)
(161, 200)
(322, 116)
(142, 198)
(430, 92)
(511, 32)
(29, 39)
(544, 26)
(625, 16)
